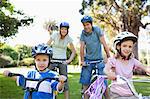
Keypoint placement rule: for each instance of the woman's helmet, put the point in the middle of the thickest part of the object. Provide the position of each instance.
(87, 19)
(42, 49)
(124, 36)
(64, 24)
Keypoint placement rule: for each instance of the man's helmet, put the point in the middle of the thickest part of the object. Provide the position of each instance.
(87, 19)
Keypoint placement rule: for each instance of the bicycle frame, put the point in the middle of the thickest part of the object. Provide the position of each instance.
(94, 89)
(35, 81)
(94, 74)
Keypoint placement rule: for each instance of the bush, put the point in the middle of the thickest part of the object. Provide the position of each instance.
(9, 51)
(75, 61)
(13, 64)
(5, 60)
(27, 62)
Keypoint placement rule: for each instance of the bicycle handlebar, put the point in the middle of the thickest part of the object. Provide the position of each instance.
(14, 74)
(93, 62)
(58, 61)
(39, 81)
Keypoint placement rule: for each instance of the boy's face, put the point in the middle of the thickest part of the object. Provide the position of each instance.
(87, 27)
(127, 47)
(41, 62)
(63, 31)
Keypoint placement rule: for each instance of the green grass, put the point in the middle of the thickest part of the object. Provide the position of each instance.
(9, 90)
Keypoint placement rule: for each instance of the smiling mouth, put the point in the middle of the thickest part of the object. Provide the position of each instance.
(41, 66)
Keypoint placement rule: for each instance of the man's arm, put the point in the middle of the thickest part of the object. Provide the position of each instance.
(102, 39)
(82, 46)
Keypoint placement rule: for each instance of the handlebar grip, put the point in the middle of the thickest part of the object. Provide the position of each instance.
(10, 74)
(14, 74)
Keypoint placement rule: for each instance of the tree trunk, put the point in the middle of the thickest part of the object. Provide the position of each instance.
(131, 22)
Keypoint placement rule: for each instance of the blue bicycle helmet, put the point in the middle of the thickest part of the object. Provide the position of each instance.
(64, 24)
(87, 19)
(42, 49)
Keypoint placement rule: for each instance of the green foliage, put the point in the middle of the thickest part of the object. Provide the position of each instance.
(75, 61)
(26, 62)
(9, 51)
(5, 60)
(9, 23)
(12, 64)
(24, 51)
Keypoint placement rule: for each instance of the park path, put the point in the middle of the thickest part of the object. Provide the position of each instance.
(24, 70)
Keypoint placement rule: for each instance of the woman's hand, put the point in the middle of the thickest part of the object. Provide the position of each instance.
(67, 61)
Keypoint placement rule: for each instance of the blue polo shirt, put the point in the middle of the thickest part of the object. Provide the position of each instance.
(93, 44)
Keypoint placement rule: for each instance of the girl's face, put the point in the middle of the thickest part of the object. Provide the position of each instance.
(87, 27)
(126, 47)
(63, 31)
(41, 62)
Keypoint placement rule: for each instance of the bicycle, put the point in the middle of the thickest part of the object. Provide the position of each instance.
(94, 73)
(56, 62)
(97, 88)
(34, 85)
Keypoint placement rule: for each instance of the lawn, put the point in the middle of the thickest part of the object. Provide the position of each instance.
(9, 90)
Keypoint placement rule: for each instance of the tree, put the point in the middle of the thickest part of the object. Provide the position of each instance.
(8, 51)
(11, 19)
(24, 51)
(118, 15)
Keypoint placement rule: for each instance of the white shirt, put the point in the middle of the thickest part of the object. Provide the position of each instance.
(60, 45)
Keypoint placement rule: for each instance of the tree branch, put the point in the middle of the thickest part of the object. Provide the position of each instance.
(115, 5)
(144, 26)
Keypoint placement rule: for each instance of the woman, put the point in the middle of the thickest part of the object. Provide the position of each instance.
(60, 41)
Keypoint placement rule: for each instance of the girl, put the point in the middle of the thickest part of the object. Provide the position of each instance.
(123, 64)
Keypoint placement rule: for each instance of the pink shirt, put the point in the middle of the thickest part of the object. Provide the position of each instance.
(125, 71)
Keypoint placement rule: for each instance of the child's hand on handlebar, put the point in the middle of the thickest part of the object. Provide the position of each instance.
(62, 78)
(112, 76)
(6, 72)
(148, 71)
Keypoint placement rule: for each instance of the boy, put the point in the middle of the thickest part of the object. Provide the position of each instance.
(42, 55)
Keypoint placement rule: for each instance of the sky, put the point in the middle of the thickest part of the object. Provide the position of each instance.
(59, 10)
(43, 10)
